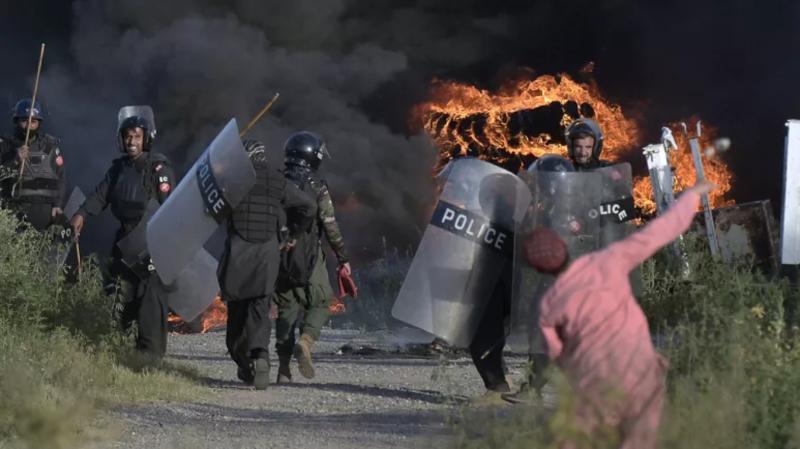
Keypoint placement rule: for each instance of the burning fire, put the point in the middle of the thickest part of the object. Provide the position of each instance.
(684, 172)
(213, 318)
(526, 119)
(506, 122)
(337, 306)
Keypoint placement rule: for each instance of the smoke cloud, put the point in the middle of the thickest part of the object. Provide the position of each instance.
(351, 70)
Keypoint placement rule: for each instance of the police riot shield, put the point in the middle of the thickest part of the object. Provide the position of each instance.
(145, 112)
(616, 203)
(219, 179)
(466, 248)
(133, 247)
(617, 210)
(75, 201)
(195, 287)
(568, 203)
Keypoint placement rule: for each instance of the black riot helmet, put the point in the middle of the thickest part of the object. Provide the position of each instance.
(136, 122)
(23, 109)
(584, 127)
(130, 117)
(549, 184)
(304, 149)
(551, 162)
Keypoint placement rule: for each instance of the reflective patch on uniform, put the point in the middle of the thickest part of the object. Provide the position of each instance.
(59, 161)
(327, 220)
(164, 187)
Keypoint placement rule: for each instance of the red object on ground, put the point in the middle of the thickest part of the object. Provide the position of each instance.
(596, 332)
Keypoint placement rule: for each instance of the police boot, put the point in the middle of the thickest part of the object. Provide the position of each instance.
(245, 374)
(260, 364)
(284, 370)
(261, 372)
(302, 352)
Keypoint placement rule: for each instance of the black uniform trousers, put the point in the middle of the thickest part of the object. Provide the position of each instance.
(38, 214)
(248, 330)
(145, 303)
(487, 345)
(247, 275)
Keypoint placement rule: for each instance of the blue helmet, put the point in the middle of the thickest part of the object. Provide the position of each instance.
(23, 109)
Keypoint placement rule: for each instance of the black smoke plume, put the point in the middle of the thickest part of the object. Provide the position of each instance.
(351, 70)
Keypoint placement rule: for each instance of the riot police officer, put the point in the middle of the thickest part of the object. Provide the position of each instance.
(249, 265)
(38, 194)
(497, 198)
(584, 147)
(134, 179)
(303, 282)
(553, 213)
(585, 144)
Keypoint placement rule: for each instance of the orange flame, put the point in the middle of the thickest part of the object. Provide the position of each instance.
(337, 306)
(465, 115)
(216, 316)
(462, 115)
(684, 174)
(213, 318)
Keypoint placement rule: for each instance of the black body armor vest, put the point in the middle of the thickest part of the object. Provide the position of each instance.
(256, 218)
(304, 179)
(134, 184)
(39, 178)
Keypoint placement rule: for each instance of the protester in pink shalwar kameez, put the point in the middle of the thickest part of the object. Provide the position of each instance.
(597, 333)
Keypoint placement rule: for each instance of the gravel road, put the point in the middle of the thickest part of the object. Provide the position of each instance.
(376, 393)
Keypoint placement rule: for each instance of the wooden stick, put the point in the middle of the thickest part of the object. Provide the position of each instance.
(78, 255)
(259, 115)
(30, 115)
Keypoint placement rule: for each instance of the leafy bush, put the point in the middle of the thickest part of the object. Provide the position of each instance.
(734, 359)
(61, 347)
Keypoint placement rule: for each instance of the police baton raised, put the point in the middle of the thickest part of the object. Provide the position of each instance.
(259, 115)
(30, 119)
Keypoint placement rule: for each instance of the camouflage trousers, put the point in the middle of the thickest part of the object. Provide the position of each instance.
(313, 300)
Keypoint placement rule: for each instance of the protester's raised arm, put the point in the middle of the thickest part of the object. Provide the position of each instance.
(638, 247)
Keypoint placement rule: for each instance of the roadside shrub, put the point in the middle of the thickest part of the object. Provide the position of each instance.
(61, 347)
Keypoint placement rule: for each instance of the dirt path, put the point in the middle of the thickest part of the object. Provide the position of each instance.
(373, 397)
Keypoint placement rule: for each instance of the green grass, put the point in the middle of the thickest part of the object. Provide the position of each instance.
(63, 357)
(734, 376)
